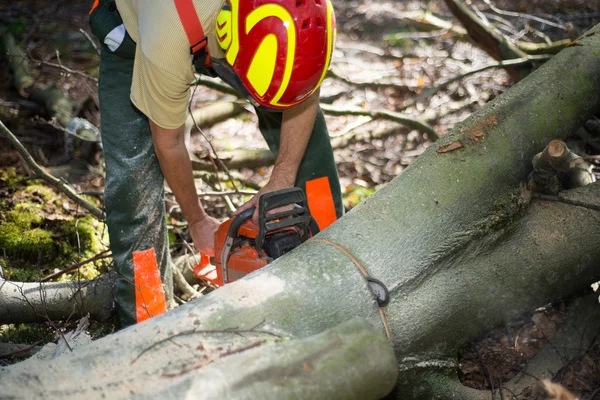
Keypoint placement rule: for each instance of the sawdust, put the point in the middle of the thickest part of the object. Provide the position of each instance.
(253, 291)
(478, 132)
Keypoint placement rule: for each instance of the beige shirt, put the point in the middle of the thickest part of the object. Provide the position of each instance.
(163, 69)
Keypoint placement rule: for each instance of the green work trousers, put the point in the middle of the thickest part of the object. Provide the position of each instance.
(134, 193)
(134, 190)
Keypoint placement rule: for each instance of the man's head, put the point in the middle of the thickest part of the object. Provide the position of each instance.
(281, 49)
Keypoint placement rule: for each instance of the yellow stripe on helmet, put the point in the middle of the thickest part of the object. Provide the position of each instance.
(274, 10)
(234, 48)
(331, 36)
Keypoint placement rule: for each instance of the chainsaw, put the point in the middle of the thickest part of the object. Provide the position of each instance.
(241, 246)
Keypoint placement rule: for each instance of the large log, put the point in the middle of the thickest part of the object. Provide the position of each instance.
(457, 245)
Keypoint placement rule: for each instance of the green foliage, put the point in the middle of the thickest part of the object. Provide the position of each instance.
(356, 195)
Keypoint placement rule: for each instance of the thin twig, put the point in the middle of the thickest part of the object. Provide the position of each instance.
(66, 69)
(52, 180)
(90, 40)
(205, 362)
(221, 163)
(99, 256)
(21, 350)
(524, 16)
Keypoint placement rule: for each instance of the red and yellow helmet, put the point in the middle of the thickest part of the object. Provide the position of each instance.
(281, 49)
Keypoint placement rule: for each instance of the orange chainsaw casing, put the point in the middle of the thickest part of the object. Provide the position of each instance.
(242, 260)
(284, 222)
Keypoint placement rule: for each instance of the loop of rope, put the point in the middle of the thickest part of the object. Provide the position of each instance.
(364, 272)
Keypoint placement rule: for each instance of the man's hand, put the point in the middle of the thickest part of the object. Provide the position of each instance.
(203, 233)
(296, 128)
(275, 183)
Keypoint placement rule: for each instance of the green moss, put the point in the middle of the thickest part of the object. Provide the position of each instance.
(25, 274)
(23, 218)
(9, 176)
(44, 192)
(82, 235)
(10, 236)
(26, 333)
(33, 245)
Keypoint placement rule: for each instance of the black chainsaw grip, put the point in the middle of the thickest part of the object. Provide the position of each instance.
(237, 222)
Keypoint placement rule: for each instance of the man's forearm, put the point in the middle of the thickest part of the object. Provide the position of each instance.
(296, 128)
(174, 160)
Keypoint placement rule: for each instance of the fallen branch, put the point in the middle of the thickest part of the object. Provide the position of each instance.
(22, 302)
(183, 286)
(210, 114)
(51, 180)
(489, 40)
(331, 73)
(238, 159)
(58, 107)
(409, 121)
(502, 64)
(403, 119)
(426, 21)
(19, 67)
(66, 69)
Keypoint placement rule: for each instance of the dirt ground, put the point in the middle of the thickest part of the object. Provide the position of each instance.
(380, 62)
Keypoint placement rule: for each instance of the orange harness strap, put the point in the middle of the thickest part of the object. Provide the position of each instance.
(192, 25)
(96, 3)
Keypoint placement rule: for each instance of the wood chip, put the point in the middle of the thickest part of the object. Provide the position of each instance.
(457, 144)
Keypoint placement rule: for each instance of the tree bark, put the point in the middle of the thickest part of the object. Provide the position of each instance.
(457, 246)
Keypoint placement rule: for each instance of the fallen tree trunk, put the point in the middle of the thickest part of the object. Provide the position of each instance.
(456, 244)
(32, 302)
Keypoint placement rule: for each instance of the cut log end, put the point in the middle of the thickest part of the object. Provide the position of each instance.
(556, 148)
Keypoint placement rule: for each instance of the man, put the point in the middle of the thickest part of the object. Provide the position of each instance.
(275, 52)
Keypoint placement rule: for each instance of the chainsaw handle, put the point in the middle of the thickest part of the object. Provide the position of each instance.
(237, 222)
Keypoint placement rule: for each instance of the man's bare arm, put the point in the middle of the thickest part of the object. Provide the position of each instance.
(174, 160)
(296, 128)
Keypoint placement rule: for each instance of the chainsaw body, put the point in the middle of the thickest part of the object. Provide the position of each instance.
(242, 246)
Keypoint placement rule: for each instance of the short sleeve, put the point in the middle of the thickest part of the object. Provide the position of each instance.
(161, 95)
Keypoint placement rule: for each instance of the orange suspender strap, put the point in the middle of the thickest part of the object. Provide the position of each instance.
(96, 3)
(149, 294)
(320, 201)
(191, 25)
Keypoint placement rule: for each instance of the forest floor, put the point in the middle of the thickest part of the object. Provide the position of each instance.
(380, 62)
